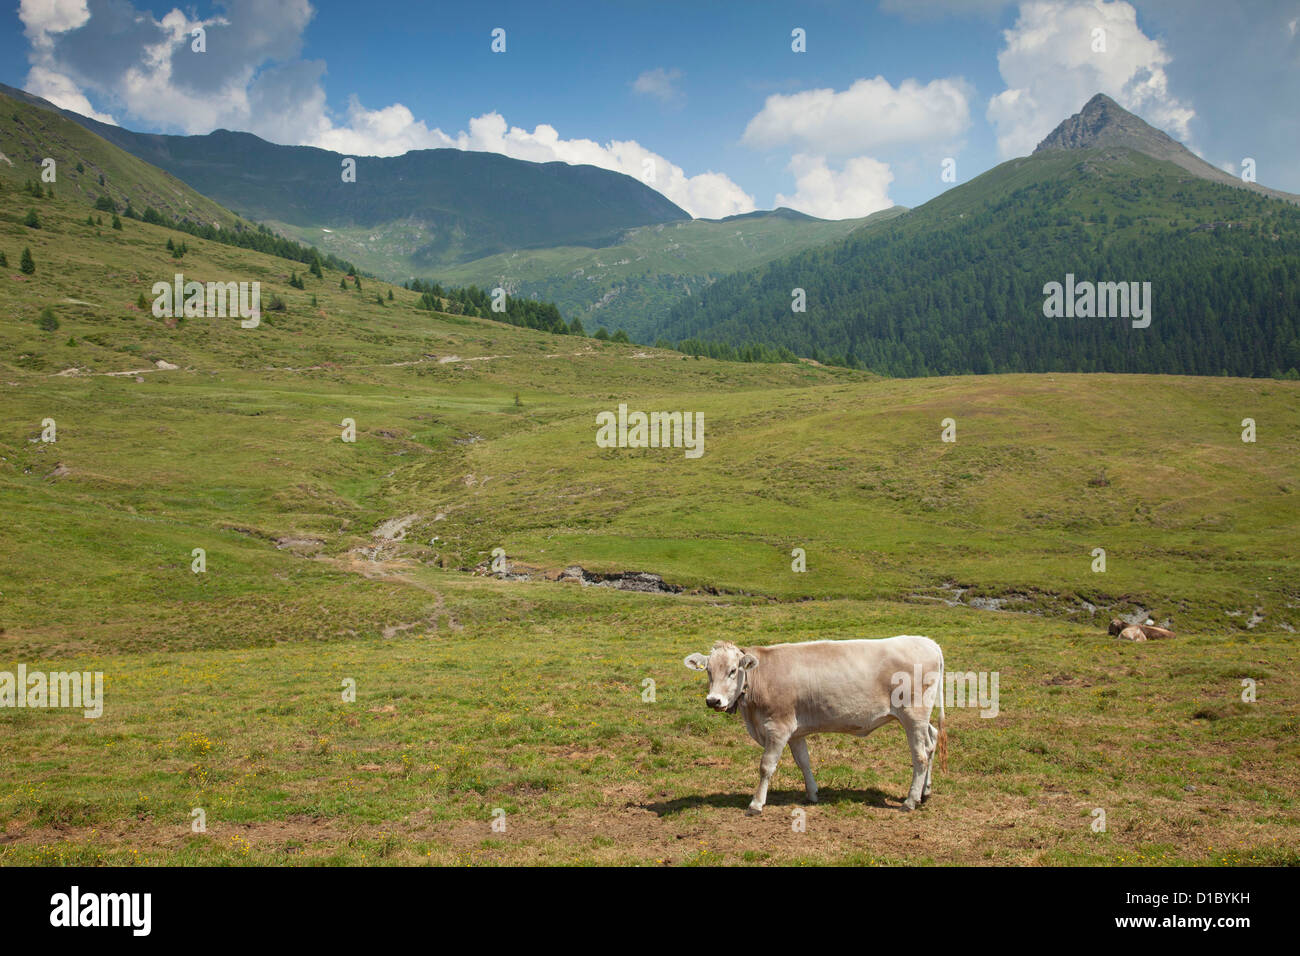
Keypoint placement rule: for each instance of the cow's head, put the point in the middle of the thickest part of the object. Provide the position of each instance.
(728, 668)
(1116, 625)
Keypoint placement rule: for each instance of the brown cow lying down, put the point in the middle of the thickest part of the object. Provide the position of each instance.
(1138, 632)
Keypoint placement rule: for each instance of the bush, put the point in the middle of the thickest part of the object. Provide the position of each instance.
(117, 223)
(28, 264)
(48, 321)
(31, 221)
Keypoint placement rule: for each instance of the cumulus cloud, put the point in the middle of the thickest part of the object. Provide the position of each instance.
(659, 83)
(859, 189)
(709, 195)
(1051, 69)
(871, 115)
(252, 78)
(62, 92)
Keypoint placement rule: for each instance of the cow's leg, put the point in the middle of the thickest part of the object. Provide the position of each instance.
(929, 762)
(766, 767)
(799, 750)
(918, 741)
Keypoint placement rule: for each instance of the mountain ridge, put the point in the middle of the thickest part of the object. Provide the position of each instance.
(458, 205)
(1102, 122)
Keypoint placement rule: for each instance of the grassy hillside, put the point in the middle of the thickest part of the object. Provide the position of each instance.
(29, 134)
(328, 560)
(956, 285)
(633, 284)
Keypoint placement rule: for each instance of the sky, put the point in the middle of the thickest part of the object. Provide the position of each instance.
(713, 104)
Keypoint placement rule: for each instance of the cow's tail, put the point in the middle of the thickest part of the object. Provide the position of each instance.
(943, 731)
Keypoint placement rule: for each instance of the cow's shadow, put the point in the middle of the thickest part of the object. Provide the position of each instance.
(870, 797)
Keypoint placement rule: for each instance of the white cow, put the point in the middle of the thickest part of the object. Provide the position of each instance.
(785, 692)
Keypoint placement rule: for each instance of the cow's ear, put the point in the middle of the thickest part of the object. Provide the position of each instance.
(696, 662)
(748, 662)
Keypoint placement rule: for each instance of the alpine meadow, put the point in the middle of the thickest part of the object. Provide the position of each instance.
(385, 478)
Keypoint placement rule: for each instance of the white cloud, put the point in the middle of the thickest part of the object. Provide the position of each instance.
(62, 92)
(871, 115)
(659, 83)
(860, 189)
(258, 83)
(42, 18)
(1050, 68)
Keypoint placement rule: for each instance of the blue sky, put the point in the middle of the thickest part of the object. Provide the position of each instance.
(709, 97)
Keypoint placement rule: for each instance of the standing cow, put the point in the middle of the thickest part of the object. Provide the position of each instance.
(785, 692)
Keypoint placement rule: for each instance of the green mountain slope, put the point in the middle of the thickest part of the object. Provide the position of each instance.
(404, 215)
(29, 134)
(957, 285)
(634, 283)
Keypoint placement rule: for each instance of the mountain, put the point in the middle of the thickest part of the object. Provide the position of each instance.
(88, 168)
(957, 284)
(103, 179)
(404, 215)
(1102, 122)
(634, 284)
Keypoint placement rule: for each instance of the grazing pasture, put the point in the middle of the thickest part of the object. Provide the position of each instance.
(329, 561)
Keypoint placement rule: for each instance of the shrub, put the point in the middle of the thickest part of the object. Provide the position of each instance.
(28, 264)
(48, 321)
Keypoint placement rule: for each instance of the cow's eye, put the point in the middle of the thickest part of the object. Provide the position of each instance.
(733, 673)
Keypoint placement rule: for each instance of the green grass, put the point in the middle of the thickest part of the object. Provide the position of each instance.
(224, 689)
(29, 134)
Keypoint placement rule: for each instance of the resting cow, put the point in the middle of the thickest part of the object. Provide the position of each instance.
(1148, 631)
(785, 692)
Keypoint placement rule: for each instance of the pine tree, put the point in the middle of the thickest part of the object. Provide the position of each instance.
(31, 221)
(357, 279)
(117, 223)
(390, 295)
(142, 303)
(343, 284)
(315, 267)
(4, 262)
(28, 264)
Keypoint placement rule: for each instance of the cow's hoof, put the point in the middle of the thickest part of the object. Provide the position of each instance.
(909, 804)
(810, 798)
(753, 811)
